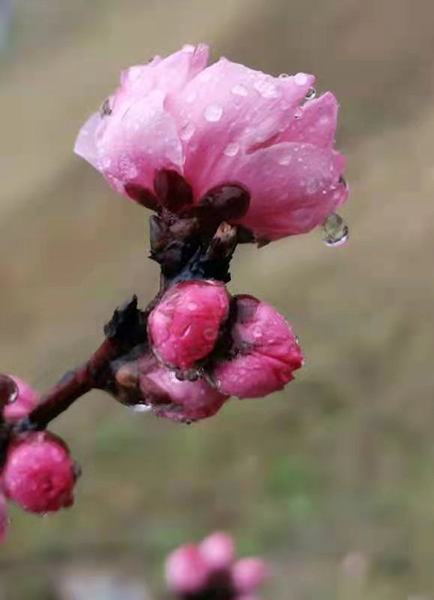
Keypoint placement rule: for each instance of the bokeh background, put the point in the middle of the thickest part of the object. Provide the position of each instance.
(332, 480)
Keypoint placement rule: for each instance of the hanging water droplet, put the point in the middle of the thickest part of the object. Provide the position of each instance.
(284, 76)
(8, 390)
(310, 94)
(141, 408)
(335, 230)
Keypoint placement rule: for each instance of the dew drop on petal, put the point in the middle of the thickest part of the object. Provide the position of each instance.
(240, 90)
(231, 149)
(285, 160)
(187, 132)
(266, 89)
(300, 79)
(213, 113)
(310, 94)
(335, 230)
(284, 76)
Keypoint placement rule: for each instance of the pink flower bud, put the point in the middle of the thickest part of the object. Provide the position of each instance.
(218, 551)
(25, 402)
(248, 574)
(186, 570)
(265, 350)
(3, 518)
(183, 328)
(179, 400)
(39, 474)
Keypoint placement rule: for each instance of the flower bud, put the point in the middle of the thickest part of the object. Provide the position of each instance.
(218, 551)
(248, 574)
(39, 474)
(186, 570)
(184, 327)
(265, 352)
(26, 400)
(179, 400)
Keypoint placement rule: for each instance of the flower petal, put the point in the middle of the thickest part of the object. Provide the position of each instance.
(293, 188)
(315, 122)
(229, 111)
(85, 145)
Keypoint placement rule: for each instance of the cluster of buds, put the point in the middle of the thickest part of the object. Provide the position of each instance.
(209, 571)
(223, 155)
(205, 346)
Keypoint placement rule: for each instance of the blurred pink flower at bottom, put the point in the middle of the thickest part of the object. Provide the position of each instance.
(209, 568)
(186, 570)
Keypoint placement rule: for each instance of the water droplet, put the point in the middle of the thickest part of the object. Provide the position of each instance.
(141, 408)
(312, 186)
(266, 88)
(310, 94)
(298, 114)
(213, 113)
(335, 230)
(187, 132)
(300, 79)
(8, 390)
(240, 90)
(192, 375)
(285, 160)
(231, 149)
(284, 76)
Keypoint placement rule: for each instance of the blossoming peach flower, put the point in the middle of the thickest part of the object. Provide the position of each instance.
(220, 124)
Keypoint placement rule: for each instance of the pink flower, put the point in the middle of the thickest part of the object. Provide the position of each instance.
(39, 474)
(183, 328)
(178, 400)
(218, 550)
(26, 400)
(186, 570)
(218, 125)
(248, 574)
(265, 352)
(209, 569)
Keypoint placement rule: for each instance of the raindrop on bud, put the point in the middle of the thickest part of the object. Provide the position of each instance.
(310, 94)
(335, 230)
(8, 390)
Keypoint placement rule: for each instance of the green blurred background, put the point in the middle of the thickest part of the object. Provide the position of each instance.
(333, 479)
